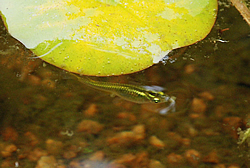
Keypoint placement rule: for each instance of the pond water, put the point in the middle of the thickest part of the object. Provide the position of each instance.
(50, 120)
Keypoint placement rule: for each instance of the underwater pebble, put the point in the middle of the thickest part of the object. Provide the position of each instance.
(9, 134)
(75, 164)
(174, 136)
(115, 165)
(220, 111)
(61, 166)
(195, 116)
(6, 164)
(246, 120)
(234, 166)
(97, 156)
(36, 154)
(47, 162)
(96, 164)
(220, 166)
(8, 150)
(34, 80)
(48, 83)
(126, 158)
(28, 68)
(135, 161)
(212, 157)
(175, 159)
(139, 131)
(141, 160)
(126, 137)
(122, 138)
(32, 139)
(192, 156)
(91, 110)
(192, 131)
(198, 105)
(206, 95)
(231, 124)
(153, 140)
(189, 69)
(126, 115)
(89, 126)
(186, 142)
(155, 164)
(210, 132)
(54, 147)
(22, 153)
(68, 94)
(69, 154)
(46, 73)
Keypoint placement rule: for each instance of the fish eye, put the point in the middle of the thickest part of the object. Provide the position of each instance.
(156, 100)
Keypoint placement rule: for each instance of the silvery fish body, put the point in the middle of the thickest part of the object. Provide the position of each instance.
(133, 93)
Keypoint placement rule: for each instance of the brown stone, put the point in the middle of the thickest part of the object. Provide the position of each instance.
(54, 147)
(221, 110)
(134, 161)
(6, 164)
(47, 162)
(186, 142)
(97, 156)
(234, 166)
(142, 160)
(139, 131)
(198, 105)
(91, 110)
(220, 166)
(75, 164)
(126, 115)
(192, 156)
(89, 126)
(33, 80)
(36, 154)
(69, 154)
(155, 164)
(231, 124)
(33, 140)
(174, 159)
(122, 138)
(206, 95)
(126, 158)
(153, 140)
(174, 136)
(48, 83)
(8, 150)
(128, 137)
(9, 134)
(212, 157)
(189, 69)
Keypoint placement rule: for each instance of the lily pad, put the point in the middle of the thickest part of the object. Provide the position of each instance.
(107, 37)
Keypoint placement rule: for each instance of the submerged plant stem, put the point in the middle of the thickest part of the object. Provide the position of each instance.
(242, 8)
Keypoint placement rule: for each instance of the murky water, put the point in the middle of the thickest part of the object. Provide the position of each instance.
(49, 119)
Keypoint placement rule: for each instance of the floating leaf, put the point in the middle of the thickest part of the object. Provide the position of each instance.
(107, 37)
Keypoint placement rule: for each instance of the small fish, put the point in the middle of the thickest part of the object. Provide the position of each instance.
(133, 93)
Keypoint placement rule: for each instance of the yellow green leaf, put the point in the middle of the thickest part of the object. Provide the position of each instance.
(107, 37)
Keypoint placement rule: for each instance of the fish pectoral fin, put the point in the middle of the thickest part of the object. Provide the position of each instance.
(112, 95)
(171, 107)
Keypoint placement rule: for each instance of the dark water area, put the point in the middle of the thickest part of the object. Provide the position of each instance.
(50, 120)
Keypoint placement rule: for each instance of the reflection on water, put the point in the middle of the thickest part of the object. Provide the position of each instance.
(50, 120)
